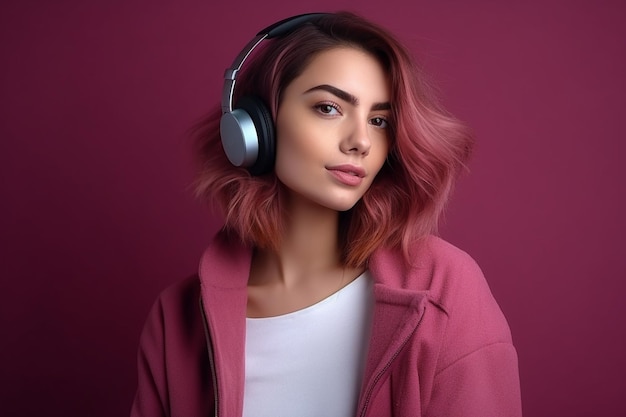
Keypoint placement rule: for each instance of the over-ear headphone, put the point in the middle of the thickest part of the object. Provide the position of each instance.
(247, 130)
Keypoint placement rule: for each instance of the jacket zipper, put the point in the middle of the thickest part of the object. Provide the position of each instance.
(209, 344)
(386, 367)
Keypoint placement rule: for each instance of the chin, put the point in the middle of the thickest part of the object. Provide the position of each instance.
(330, 199)
(344, 203)
(343, 206)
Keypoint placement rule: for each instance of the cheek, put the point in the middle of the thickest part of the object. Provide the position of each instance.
(286, 164)
(296, 145)
(291, 156)
(380, 155)
(287, 134)
(288, 148)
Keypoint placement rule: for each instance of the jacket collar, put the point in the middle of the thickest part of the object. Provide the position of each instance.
(398, 312)
(224, 270)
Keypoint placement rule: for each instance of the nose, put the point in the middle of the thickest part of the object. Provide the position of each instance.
(357, 140)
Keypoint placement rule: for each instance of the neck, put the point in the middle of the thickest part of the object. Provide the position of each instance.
(310, 245)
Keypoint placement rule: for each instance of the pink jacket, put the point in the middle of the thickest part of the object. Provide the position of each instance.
(440, 345)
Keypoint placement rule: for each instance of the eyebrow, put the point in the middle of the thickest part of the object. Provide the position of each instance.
(345, 96)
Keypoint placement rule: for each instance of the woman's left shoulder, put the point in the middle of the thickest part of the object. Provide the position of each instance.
(434, 250)
(434, 265)
(456, 276)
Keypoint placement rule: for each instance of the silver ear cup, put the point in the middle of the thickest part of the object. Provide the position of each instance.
(247, 131)
(239, 138)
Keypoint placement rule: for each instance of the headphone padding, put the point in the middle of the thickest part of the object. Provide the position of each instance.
(264, 125)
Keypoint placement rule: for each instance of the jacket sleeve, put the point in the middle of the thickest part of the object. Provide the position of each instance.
(150, 396)
(477, 372)
(174, 377)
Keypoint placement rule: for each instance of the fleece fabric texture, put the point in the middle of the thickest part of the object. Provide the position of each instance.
(440, 345)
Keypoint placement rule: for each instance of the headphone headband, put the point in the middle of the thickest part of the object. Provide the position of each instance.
(274, 30)
(287, 25)
(247, 131)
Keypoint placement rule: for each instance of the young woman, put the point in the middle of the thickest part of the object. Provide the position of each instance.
(326, 293)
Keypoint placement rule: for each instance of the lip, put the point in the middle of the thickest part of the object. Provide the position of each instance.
(347, 174)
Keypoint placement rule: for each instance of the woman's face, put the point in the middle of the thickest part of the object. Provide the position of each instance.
(332, 128)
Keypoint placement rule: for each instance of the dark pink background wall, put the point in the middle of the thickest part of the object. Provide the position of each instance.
(97, 216)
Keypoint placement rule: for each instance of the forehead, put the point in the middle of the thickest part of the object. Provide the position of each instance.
(350, 69)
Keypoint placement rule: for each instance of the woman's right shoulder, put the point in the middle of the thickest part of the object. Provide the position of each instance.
(172, 356)
(176, 310)
(179, 301)
(181, 291)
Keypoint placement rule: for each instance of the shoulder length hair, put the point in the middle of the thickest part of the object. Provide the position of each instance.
(428, 147)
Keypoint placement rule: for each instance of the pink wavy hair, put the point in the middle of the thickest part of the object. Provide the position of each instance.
(428, 149)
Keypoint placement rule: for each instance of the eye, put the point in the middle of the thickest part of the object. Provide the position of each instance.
(330, 109)
(379, 122)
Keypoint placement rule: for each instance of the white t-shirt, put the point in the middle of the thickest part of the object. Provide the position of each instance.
(309, 363)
